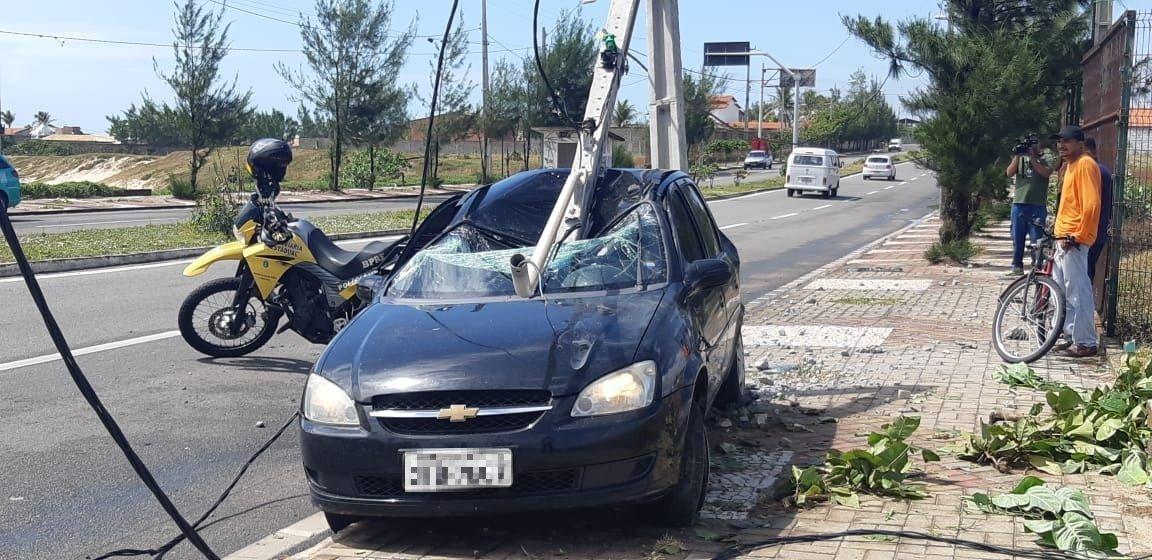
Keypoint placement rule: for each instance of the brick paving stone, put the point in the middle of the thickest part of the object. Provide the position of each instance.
(935, 361)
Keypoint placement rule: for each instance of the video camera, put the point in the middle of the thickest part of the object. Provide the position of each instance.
(1025, 144)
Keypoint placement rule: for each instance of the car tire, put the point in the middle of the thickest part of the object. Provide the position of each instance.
(791, 193)
(891, 177)
(338, 522)
(681, 506)
(827, 193)
(732, 390)
(836, 192)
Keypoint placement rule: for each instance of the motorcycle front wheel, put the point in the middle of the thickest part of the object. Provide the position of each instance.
(211, 325)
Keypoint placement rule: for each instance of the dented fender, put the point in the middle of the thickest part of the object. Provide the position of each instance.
(232, 251)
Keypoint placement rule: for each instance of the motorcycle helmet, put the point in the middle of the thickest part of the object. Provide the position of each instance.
(268, 159)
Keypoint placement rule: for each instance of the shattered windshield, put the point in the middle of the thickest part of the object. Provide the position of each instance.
(472, 262)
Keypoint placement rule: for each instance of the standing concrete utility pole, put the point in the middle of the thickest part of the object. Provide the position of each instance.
(669, 144)
(484, 93)
(1101, 20)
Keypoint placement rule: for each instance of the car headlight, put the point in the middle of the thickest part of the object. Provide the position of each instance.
(238, 235)
(631, 388)
(326, 403)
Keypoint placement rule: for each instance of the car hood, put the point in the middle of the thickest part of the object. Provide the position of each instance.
(561, 345)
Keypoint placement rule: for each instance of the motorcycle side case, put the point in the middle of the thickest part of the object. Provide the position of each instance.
(232, 251)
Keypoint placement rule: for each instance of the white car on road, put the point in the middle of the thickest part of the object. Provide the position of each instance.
(758, 158)
(879, 166)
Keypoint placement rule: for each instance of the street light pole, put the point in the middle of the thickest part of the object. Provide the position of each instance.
(760, 117)
(795, 86)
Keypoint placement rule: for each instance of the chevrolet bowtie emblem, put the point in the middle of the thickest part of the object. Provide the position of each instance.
(457, 413)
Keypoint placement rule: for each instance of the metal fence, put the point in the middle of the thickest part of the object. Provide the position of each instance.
(1118, 112)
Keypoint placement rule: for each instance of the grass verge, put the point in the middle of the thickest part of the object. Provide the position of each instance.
(143, 239)
(959, 251)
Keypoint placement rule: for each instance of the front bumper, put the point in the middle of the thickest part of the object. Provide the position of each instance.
(558, 463)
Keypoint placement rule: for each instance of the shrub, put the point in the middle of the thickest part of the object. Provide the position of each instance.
(215, 211)
(621, 157)
(959, 251)
(181, 187)
(39, 148)
(74, 189)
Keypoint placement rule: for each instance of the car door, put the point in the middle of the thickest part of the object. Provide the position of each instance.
(709, 308)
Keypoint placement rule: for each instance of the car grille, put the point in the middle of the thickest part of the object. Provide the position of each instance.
(478, 425)
(526, 484)
(435, 400)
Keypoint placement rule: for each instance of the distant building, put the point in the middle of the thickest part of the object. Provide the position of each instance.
(725, 109)
(19, 133)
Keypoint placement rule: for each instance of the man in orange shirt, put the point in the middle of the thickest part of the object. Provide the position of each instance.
(1076, 228)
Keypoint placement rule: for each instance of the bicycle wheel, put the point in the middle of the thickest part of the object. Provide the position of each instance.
(1029, 319)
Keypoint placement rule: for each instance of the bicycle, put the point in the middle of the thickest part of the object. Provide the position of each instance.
(1037, 302)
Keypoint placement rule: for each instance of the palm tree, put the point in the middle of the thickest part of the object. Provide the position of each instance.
(624, 113)
(8, 118)
(42, 117)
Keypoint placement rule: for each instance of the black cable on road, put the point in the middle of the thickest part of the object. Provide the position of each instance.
(432, 117)
(89, 393)
(168, 546)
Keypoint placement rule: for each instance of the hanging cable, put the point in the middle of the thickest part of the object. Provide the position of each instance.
(89, 393)
(432, 119)
(557, 102)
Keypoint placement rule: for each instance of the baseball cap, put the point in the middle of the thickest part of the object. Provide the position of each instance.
(1068, 132)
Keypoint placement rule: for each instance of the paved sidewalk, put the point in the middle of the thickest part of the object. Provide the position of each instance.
(832, 357)
(60, 205)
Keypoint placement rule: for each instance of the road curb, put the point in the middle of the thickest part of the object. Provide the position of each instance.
(105, 261)
(19, 212)
(285, 540)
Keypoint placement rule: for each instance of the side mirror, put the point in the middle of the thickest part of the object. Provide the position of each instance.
(706, 273)
(368, 287)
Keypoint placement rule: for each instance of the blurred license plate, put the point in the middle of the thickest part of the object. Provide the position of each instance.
(805, 180)
(441, 470)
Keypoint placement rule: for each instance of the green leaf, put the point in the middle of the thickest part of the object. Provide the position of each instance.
(851, 500)
(1082, 429)
(1045, 464)
(1115, 402)
(1074, 500)
(903, 427)
(1038, 525)
(1078, 533)
(1064, 400)
(1044, 498)
(1011, 501)
(1132, 470)
(861, 455)
(1108, 428)
(1028, 482)
(1109, 542)
(1036, 410)
(929, 455)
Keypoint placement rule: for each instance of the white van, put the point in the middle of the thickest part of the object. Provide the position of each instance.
(813, 170)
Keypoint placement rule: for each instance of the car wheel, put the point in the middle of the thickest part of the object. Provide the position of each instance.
(791, 193)
(827, 194)
(338, 522)
(891, 177)
(732, 391)
(836, 192)
(681, 506)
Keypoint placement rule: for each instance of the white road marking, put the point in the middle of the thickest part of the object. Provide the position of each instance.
(902, 183)
(822, 207)
(102, 223)
(135, 267)
(784, 216)
(913, 179)
(734, 225)
(873, 192)
(90, 350)
(890, 187)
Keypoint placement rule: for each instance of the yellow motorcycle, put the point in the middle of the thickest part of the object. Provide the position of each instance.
(287, 269)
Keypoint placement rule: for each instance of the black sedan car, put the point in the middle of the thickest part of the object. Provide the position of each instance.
(450, 395)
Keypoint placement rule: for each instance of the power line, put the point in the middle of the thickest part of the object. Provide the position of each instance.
(62, 38)
(836, 50)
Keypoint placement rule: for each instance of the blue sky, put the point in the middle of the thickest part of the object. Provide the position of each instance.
(79, 83)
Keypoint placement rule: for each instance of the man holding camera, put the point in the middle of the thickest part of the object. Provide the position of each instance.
(1031, 199)
(1077, 219)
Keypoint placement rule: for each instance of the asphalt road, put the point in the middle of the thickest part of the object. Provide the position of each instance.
(55, 223)
(67, 493)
